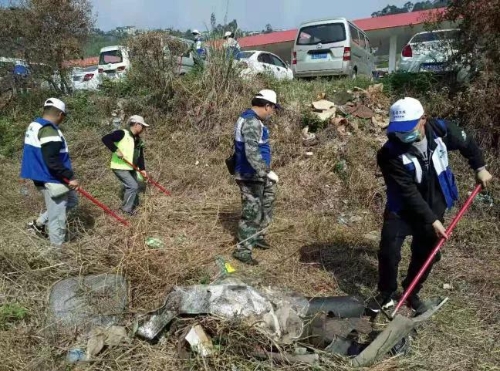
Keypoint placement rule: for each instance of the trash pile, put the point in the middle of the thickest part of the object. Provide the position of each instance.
(94, 306)
(368, 107)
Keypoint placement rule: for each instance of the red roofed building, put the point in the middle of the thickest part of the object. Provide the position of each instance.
(387, 33)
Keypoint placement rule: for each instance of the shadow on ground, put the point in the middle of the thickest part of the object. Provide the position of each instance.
(354, 267)
(229, 221)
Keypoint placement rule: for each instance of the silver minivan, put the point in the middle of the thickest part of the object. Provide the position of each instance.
(332, 47)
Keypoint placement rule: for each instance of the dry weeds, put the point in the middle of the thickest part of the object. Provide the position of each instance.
(314, 252)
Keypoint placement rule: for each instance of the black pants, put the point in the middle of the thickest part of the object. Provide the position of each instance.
(394, 232)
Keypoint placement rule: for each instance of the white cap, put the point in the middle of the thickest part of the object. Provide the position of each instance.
(228, 34)
(57, 103)
(136, 119)
(268, 95)
(196, 32)
(405, 115)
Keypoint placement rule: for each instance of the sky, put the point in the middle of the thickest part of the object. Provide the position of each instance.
(252, 15)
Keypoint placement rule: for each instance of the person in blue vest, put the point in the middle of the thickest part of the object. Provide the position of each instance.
(252, 152)
(47, 163)
(420, 187)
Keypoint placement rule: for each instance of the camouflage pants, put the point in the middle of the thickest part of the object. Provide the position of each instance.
(257, 199)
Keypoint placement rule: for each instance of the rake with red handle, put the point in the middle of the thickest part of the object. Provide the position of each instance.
(106, 209)
(440, 244)
(156, 184)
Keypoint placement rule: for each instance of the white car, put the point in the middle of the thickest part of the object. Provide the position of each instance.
(255, 62)
(428, 51)
(85, 78)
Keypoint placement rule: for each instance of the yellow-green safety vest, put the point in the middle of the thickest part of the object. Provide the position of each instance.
(126, 146)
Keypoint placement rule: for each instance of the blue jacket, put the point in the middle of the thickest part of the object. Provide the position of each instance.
(33, 165)
(250, 122)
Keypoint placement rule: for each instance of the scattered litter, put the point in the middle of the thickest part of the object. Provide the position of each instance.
(360, 110)
(447, 286)
(154, 243)
(309, 154)
(355, 219)
(225, 267)
(99, 337)
(76, 355)
(200, 342)
(323, 105)
(337, 121)
(197, 163)
(484, 198)
(85, 302)
(342, 221)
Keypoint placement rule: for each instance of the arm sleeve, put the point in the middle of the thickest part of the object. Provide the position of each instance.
(50, 153)
(251, 132)
(395, 173)
(458, 139)
(109, 140)
(140, 160)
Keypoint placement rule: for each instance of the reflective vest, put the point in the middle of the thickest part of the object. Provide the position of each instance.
(126, 146)
(242, 166)
(33, 165)
(439, 161)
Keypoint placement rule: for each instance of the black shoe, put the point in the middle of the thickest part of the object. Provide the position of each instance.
(383, 300)
(418, 305)
(245, 256)
(262, 244)
(38, 230)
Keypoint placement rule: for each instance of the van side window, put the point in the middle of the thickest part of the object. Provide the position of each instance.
(368, 46)
(361, 39)
(354, 35)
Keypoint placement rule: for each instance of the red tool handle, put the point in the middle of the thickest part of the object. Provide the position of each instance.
(440, 244)
(99, 204)
(148, 178)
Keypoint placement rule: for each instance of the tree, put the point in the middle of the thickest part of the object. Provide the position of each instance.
(411, 7)
(45, 33)
(268, 29)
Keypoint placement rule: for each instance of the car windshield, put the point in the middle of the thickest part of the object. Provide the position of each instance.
(111, 57)
(435, 36)
(324, 33)
(245, 55)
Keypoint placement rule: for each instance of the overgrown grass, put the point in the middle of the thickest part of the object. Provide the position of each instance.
(326, 205)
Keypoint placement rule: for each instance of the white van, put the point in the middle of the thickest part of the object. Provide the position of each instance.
(332, 47)
(114, 61)
(186, 60)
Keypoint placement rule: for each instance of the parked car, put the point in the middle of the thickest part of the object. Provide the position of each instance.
(255, 62)
(114, 61)
(429, 51)
(332, 47)
(85, 78)
(186, 60)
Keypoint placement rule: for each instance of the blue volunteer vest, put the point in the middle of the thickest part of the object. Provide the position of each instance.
(439, 160)
(242, 164)
(33, 165)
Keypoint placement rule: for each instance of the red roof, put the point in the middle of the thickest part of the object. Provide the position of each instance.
(366, 24)
(268, 38)
(397, 20)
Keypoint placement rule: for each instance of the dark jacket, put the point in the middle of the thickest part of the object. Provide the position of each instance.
(424, 202)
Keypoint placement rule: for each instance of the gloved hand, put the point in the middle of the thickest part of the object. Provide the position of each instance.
(483, 177)
(273, 177)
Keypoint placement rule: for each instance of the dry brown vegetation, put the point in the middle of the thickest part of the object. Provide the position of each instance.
(322, 234)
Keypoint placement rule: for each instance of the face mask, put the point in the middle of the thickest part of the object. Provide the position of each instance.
(409, 137)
